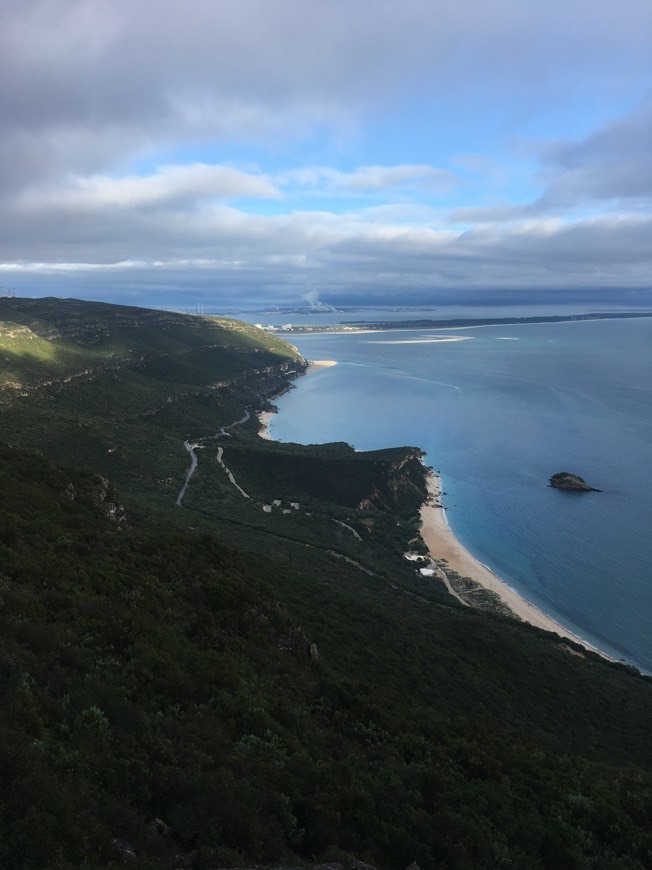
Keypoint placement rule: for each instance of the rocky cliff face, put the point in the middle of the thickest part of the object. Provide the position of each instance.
(402, 485)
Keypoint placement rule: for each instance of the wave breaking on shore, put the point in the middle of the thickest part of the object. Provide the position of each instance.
(447, 551)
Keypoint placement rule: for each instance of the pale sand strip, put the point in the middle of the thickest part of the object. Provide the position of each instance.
(320, 364)
(442, 544)
(422, 340)
(265, 417)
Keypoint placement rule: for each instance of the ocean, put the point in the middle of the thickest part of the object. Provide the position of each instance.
(497, 414)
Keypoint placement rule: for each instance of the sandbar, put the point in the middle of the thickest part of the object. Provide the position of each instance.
(443, 545)
(437, 340)
(320, 364)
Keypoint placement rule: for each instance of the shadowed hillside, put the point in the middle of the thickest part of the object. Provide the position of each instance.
(257, 676)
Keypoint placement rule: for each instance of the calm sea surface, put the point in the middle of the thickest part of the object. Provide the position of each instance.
(498, 414)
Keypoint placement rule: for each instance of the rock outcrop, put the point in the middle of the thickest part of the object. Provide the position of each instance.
(565, 480)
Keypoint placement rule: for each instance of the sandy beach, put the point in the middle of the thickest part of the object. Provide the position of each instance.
(444, 547)
(314, 364)
(442, 544)
(265, 417)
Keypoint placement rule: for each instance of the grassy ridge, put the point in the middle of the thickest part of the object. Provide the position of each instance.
(155, 661)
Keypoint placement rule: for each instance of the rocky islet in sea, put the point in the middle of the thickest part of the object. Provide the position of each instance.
(566, 480)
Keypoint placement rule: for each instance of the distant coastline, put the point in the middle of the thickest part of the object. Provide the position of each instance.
(455, 323)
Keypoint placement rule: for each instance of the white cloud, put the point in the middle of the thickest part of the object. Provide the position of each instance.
(388, 177)
(170, 185)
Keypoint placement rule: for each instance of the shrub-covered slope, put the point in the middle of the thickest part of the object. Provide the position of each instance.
(118, 388)
(220, 685)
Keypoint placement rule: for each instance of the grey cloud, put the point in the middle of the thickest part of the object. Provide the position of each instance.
(614, 163)
(592, 255)
(236, 249)
(189, 183)
(161, 67)
(611, 167)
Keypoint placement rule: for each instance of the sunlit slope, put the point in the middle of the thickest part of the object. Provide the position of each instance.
(118, 388)
(50, 336)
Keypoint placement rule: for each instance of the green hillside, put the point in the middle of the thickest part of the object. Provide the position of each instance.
(248, 672)
(118, 388)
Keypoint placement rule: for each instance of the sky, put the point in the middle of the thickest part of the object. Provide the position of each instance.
(273, 151)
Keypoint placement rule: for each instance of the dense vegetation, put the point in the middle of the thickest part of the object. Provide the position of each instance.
(219, 684)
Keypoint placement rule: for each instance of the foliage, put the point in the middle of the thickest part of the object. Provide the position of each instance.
(160, 668)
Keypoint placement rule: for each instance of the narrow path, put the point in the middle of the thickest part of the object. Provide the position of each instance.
(193, 464)
(347, 559)
(193, 458)
(347, 526)
(237, 423)
(220, 452)
(447, 583)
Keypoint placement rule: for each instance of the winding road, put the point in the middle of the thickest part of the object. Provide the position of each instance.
(220, 451)
(189, 473)
(193, 458)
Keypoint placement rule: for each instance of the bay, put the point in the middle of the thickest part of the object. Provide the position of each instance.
(498, 414)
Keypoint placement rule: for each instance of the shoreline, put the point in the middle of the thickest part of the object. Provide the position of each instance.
(264, 417)
(443, 546)
(320, 364)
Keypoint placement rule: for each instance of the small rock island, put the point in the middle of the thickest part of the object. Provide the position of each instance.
(565, 480)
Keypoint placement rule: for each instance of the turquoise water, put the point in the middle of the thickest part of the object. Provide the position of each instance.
(498, 414)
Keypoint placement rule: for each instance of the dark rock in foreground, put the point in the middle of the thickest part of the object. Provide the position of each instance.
(565, 480)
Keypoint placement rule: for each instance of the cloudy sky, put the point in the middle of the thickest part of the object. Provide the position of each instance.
(234, 150)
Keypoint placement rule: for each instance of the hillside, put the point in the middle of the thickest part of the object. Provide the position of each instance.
(119, 388)
(256, 675)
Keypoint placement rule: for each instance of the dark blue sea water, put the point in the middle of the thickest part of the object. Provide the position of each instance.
(498, 414)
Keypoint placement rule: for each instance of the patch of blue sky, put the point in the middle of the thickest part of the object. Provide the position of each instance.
(322, 145)
(184, 155)
(575, 120)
